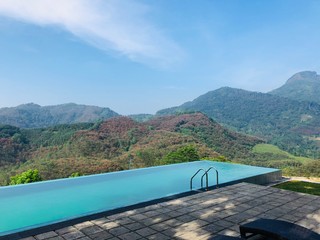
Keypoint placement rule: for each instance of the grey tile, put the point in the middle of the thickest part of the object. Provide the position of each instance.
(144, 232)
(119, 231)
(159, 236)
(56, 238)
(101, 235)
(65, 230)
(134, 226)
(129, 236)
(46, 235)
(91, 230)
(73, 235)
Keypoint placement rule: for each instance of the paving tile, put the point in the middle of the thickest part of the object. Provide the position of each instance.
(91, 230)
(125, 221)
(129, 236)
(83, 225)
(159, 236)
(195, 235)
(152, 213)
(229, 232)
(100, 221)
(73, 235)
(110, 225)
(62, 231)
(56, 238)
(134, 226)
(84, 238)
(144, 232)
(138, 216)
(101, 235)
(175, 214)
(160, 226)
(46, 235)
(118, 231)
(28, 238)
(224, 223)
(185, 218)
(213, 228)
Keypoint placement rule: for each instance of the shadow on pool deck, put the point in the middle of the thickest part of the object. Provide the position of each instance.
(198, 216)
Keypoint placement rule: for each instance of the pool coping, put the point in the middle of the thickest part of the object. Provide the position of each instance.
(261, 179)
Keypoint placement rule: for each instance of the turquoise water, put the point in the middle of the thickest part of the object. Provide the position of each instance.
(33, 205)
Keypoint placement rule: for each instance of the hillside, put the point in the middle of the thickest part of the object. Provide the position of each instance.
(35, 116)
(303, 86)
(284, 122)
(119, 143)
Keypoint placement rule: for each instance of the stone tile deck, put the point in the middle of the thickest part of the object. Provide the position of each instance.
(199, 216)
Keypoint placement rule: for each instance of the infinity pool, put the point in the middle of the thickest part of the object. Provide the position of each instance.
(33, 205)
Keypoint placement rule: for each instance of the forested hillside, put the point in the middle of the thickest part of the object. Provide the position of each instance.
(118, 143)
(35, 116)
(289, 124)
(121, 143)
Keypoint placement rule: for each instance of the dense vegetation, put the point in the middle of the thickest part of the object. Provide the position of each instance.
(34, 116)
(289, 124)
(120, 143)
(32, 175)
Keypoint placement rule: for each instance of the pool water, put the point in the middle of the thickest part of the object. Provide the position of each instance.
(28, 206)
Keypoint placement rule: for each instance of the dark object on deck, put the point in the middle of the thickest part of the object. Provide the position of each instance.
(277, 229)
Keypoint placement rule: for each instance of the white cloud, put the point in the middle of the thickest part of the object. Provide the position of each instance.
(110, 25)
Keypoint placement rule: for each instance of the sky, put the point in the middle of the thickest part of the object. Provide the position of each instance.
(140, 56)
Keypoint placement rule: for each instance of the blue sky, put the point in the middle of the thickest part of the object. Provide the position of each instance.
(139, 56)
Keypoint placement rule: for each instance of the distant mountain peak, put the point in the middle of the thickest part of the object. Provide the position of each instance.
(302, 86)
(306, 76)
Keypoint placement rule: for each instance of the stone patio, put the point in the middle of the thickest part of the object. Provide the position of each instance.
(199, 216)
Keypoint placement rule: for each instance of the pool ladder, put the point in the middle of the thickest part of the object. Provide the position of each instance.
(205, 174)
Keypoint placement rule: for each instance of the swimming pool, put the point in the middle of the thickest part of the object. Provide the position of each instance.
(24, 207)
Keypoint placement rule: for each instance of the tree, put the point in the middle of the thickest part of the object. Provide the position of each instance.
(184, 154)
(75, 174)
(26, 177)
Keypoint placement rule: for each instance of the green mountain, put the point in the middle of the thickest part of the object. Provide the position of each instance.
(291, 125)
(117, 143)
(35, 116)
(303, 86)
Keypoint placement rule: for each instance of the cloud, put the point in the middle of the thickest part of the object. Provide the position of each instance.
(120, 26)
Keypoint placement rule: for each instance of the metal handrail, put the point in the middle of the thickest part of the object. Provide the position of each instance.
(205, 173)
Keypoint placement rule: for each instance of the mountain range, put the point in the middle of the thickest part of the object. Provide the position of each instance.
(227, 123)
(291, 124)
(35, 116)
